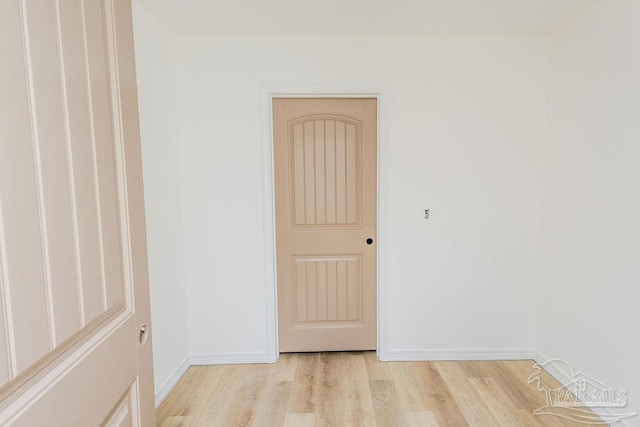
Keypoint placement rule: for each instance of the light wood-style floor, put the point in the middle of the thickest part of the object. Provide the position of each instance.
(355, 389)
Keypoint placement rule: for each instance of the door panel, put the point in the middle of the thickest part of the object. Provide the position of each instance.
(22, 247)
(325, 188)
(326, 158)
(327, 289)
(73, 281)
(123, 415)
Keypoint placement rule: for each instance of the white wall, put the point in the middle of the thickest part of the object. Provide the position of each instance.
(463, 123)
(155, 61)
(589, 291)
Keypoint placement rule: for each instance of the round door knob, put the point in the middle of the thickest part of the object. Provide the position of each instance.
(369, 241)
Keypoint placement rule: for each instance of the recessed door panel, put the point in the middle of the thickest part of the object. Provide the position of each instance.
(325, 163)
(326, 290)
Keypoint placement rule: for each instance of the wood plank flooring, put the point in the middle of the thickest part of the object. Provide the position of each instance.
(355, 389)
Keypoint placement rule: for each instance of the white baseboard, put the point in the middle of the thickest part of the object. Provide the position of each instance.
(457, 354)
(563, 378)
(163, 391)
(228, 358)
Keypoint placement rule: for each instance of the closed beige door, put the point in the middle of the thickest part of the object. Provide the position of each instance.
(325, 192)
(73, 269)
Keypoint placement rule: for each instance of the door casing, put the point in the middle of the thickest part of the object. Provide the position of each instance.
(271, 309)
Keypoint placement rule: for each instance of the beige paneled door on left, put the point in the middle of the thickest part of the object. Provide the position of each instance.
(74, 304)
(325, 194)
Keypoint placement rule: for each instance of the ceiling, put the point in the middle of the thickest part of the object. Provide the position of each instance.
(366, 18)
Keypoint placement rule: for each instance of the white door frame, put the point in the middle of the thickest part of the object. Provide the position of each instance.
(270, 272)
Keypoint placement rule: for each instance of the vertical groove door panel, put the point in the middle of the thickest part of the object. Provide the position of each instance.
(325, 185)
(73, 287)
(51, 143)
(327, 290)
(21, 242)
(103, 137)
(325, 162)
(83, 163)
